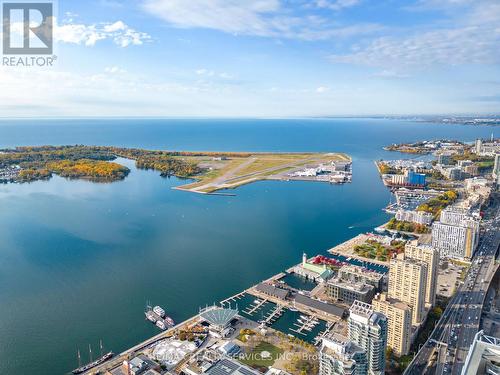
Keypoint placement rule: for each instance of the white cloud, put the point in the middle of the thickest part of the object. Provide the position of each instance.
(114, 27)
(473, 40)
(212, 73)
(266, 18)
(114, 70)
(469, 45)
(322, 89)
(336, 4)
(119, 32)
(390, 74)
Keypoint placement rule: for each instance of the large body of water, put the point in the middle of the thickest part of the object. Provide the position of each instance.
(78, 260)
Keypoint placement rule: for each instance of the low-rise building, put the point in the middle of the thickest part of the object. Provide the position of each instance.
(413, 216)
(358, 274)
(347, 291)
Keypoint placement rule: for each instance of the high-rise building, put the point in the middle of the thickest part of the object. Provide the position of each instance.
(430, 256)
(368, 329)
(339, 356)
(454, 216)
(483, 356)
(399, 317)
(408, 283)
(496, 166)
(496, 169)
(456, 234)
(444, 158)
(478, 147)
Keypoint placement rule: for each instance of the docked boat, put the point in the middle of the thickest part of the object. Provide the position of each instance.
(169, 321)
(159, 311)
(161, 325)
(151, 316)
(103, 358)
(91, 365)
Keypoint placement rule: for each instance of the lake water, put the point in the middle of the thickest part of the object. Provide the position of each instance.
(78, 260)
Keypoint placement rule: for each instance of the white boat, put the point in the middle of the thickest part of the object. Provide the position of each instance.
(152, 317)
(159, 311)
(169, 321)
(161, 325)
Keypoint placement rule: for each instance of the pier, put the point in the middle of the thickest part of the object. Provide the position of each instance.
(307, 324)
(256, 307)
(233, 298)
(274, 315)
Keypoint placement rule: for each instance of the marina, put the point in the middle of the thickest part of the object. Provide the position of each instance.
(142, 218)
(372, 266)
(285, 319)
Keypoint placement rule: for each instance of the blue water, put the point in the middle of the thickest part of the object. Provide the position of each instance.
(78, 260)
(298, 282)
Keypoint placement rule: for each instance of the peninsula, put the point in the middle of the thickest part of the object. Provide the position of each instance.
(211, 171)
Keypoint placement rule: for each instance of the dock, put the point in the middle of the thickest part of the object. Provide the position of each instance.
(274, 315)
(233, 298)
(256, 307)
(307, 325)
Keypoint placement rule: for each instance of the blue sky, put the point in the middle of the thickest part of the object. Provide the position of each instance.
(264, 58)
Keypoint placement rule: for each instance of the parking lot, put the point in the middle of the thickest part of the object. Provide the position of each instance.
(448, 275)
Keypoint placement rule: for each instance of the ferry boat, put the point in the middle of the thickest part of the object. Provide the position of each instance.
(103, 358)
(151, 316)
(169, 321)
(159, 311)
(161, 325)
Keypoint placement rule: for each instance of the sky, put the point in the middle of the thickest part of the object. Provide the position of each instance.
(264, 58)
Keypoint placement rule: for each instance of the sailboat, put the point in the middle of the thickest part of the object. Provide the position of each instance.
(103, 358)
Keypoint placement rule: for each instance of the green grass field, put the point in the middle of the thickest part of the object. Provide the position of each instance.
(263, 355)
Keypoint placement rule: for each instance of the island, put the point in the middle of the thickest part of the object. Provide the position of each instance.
(211, 171)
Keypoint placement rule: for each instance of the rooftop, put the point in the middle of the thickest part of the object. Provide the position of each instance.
(230, 367)
(350, 285)
(319, 305)
(340, 347)
(272, 290)
(219, 316)
(392, 301)
(361, 308)
(359, 270)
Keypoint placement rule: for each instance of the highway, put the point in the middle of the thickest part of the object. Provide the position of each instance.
(454, 332)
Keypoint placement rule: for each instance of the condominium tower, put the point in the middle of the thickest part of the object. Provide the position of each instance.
(408, 283)
(399, 316)
(368, 330)
(339, 356)
(456, 234)
(430, 256)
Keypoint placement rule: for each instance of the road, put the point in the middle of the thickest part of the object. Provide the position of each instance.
(454, 332)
